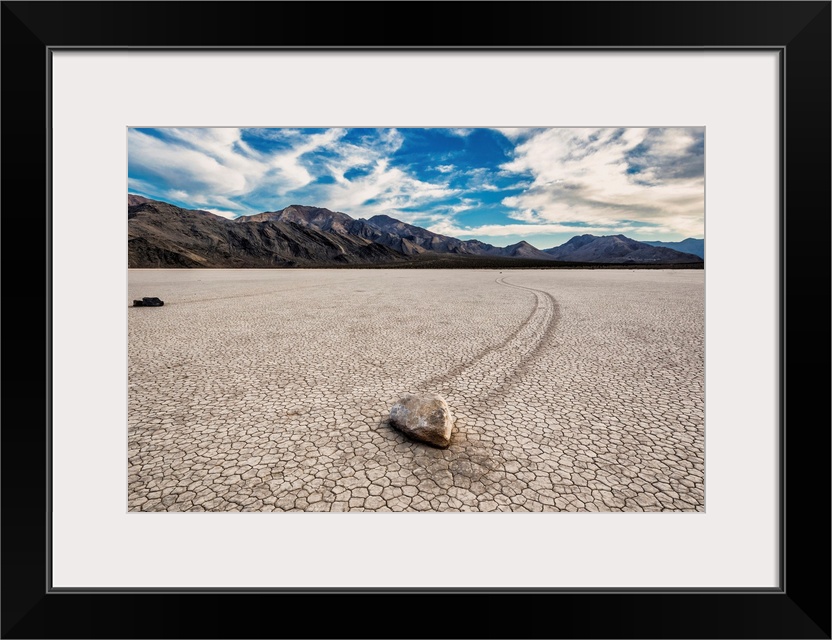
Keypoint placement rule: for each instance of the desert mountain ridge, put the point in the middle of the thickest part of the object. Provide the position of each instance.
(696, 246)
(163, 235)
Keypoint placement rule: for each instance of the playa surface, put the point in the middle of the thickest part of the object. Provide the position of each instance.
(269, 390)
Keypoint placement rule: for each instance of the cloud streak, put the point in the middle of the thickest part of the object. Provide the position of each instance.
(540, 229)
(489, 182)
(608, 176)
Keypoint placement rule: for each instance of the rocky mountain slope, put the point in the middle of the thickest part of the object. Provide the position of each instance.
(696, 246)
(617, 249)
(164, 235)
(395, 234)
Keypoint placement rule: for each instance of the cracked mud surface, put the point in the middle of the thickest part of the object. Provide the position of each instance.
(269, 390)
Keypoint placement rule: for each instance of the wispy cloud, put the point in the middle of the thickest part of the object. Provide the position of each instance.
(451, 228)
(197, 162)
(221, 212)
(384, 189)
(515, 133)
(378, 186)
(520, 180)
(481, 179)
(142, 187)
(292, 173)
(604, 176)
(444, 214)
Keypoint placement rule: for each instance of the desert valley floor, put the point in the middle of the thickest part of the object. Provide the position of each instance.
(269, 390)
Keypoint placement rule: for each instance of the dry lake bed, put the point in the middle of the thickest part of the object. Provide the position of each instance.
(269, 390)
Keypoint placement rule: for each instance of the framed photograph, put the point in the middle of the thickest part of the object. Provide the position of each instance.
(499, 311)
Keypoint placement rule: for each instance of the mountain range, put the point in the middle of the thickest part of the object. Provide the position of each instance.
(696, 246)
(162, 235)
(617, 249)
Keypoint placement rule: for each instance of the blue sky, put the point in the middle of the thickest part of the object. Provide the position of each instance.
(497, 185)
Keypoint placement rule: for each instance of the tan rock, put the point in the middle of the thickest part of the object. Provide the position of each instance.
(424, 417)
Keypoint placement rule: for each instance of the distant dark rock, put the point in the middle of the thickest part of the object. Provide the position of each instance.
(148, 302)
(524, 250)
(696, 246)
(424, 417)
(617, 249)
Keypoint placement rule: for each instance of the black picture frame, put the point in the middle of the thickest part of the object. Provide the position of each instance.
(798, 608)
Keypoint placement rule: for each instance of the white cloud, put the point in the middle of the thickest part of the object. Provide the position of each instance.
(515, 133)
(445, 168)
(444, 213)
(449, 228)
(292, 172)
(191, 166)
(178, 164)
(460, 132)
(384, 189)
(180, 195)
(221, 212)
(134, 185)
(380, 188)
(212, 166)
(587, 175)
(480, 180)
